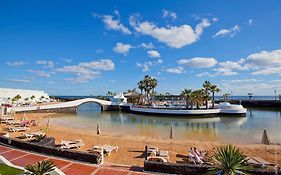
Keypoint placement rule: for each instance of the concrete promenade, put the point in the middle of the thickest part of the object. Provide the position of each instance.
(69, 167)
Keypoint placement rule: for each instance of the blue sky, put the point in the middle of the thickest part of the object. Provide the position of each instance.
(91, 47)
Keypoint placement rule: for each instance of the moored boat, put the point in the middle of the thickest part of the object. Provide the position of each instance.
(171, 111)
(227, 108)
(222, 108)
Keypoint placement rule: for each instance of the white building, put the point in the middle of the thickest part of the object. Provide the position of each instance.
(7, 94)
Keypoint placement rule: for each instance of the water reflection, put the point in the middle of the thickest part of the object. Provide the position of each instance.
(226, 128)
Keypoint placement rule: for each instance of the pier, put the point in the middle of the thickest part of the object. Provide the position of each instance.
(257, 103)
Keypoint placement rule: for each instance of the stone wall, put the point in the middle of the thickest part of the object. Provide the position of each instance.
(53, 151)
(174, 168)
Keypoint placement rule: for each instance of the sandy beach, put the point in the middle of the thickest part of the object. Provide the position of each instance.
(131, 147)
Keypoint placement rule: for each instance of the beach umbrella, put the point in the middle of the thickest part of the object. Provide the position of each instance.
(172, 132)
(171, 136)
(98, 128)
(49, 122)
(265, 139)
(25, 117)
(98, 132)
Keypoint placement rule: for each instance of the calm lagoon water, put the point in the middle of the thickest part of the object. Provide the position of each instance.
(228, 129)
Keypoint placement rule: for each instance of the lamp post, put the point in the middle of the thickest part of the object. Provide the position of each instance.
(275, 95)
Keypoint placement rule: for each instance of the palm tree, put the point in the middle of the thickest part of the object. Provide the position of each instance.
(147, 85)
(186, 93)
(32, 97)
(141, 86)
(214, 89)
(109, 94)
(17, 97)
(153, 84)
(207, 86)
(250, 96)
(226, 96)
(197, 98)
(229, 160)
(40, 168)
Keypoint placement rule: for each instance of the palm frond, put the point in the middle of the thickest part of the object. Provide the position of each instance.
(40, 168)
(229, 160)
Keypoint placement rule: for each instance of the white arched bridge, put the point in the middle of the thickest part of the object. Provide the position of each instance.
(71, 106)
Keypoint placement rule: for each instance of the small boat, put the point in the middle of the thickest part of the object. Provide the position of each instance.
(227, 108)
(222, 108)
(172, 111)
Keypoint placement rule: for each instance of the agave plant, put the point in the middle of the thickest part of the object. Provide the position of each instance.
(40, 168)
(229, 160)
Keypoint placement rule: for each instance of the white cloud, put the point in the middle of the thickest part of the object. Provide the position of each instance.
(122, 48)
(215, 19)
(257, 87)
(231, 32)
(47, 64)
(198, 62)
(175, 70)
(146, 65)
(230, 65)
(153, 54)
(268, 71)
(15, 63)
(104, 64)
(169, 14)
(41, 73)
(175, 36)
(147, 45)
(224, 72)
(240, 80)
(86, 71)
(227, 68)
(113, 24)
(265, 62)
(19, 80)
(205, 74)
(265, 58)
(67, 60)
(250, 22)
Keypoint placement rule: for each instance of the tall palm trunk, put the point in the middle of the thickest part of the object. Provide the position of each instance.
(206, 100)
(213, 99)
(186, 102)
(192, 104)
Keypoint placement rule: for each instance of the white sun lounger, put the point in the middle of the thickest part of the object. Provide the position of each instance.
(152, 150)
(18, 129)
(33, 134)
(68, 144)
(196, 157)
(164, 154)
(5, 119)
(261, 161)
(106, 148)
(13, 122)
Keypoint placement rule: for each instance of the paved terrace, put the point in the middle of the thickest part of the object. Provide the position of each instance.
(105, 105)
(23, 158)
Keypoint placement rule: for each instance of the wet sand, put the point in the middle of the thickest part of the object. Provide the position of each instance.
(131, 148)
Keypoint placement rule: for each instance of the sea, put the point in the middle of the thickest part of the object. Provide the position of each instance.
(226, 129)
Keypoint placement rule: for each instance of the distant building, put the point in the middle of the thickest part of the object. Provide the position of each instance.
(7, 95)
